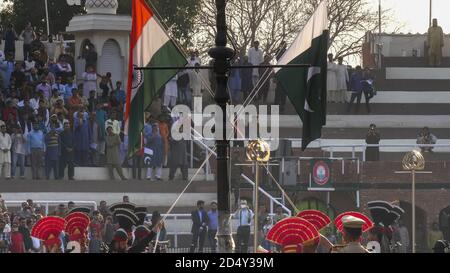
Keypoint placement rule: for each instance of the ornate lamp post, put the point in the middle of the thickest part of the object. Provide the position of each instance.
(257, 151)
(222, 56)
(413, 163)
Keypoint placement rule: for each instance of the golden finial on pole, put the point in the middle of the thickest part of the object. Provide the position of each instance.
(257, 151)
(413, 163)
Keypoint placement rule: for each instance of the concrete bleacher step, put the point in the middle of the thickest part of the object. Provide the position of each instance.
(101, 173)
(382, 121)
(144, 192)
(349, 133)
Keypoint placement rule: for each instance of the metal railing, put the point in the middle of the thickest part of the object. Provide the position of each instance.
(180, 225)
(331, 148)
(48, 203)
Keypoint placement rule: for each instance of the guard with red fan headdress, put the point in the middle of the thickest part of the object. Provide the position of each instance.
(77, 224)
(352, 225)
(48, 230)
(295, 235)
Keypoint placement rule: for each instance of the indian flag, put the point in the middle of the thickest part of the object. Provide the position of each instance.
(149, 46)
(306, 87)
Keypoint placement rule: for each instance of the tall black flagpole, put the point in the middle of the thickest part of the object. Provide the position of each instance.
(222, 56)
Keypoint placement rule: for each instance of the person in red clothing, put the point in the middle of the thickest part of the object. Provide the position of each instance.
(10, 109)
(17, 243)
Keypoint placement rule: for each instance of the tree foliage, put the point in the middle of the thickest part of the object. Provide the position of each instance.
(272, 22)
(177, 15)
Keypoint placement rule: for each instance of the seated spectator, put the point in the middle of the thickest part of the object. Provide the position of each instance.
(425, 137)
(59, 108)
(64, 68)
(33, 77)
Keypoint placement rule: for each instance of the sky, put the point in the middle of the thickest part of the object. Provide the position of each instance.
(414, 14)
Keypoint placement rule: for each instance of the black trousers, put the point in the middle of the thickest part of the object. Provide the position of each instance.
(26, 51)
(173, 170)
(198, 238)
(137, 167)
(243, 236)
(358, 96)
(64, 162)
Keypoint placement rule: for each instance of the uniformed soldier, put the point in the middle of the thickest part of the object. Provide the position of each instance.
(352, 232)
(77, 224)
(48, 230)
(294, 235)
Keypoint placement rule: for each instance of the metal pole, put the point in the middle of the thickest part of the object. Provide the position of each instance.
(222, 56)
(46, 18)
(379, 18)
(256, 209)
(431, 12)
(413, 211)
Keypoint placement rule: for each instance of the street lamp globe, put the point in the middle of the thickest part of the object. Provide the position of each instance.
(258, 150)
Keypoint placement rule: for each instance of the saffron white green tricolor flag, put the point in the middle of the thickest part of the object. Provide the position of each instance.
(306, 87)
(149, 46)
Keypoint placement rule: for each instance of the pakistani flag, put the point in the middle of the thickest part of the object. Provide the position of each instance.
(307, 87)
(149, 46)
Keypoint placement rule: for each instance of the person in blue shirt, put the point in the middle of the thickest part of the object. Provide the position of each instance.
(121, 96)
(213, 216)
(358, 82)
(69, 87)
(35, 147)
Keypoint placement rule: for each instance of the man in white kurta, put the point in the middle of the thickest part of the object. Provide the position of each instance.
(5, 152)
(332, 80)
(171, 92)
(195, 83)
(342, 80)
(255, 57)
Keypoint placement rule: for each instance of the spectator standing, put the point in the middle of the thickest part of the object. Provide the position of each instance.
(17, 242)
(18, 149)
(279, 215)
(199, 227)
(52, 153)
(342, 80)
(64, 68)
(171, 92)
(121, 97)
(44, 88)
(114, 123)
(51, 48)
(5, 238)
(155, 143)
(18, 76)
(105, 85)
(255, 57)
(113, 153)
(235, 83)
(244, 215)
(35, 147)
(23, 229)
(59, 87)
(246, 78)
(10, 41)
(195, 83)
(213, 223)
(74, 104)
(332, 87)
(178, 159)
(67, 152)
(54, 99)
(68, 88)
(373, 137)
(28, 36)
(5, 153)
(108, 230)
(89, 81)
(426, 137)
(184, 92)
(356, 88)
(81, 137)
